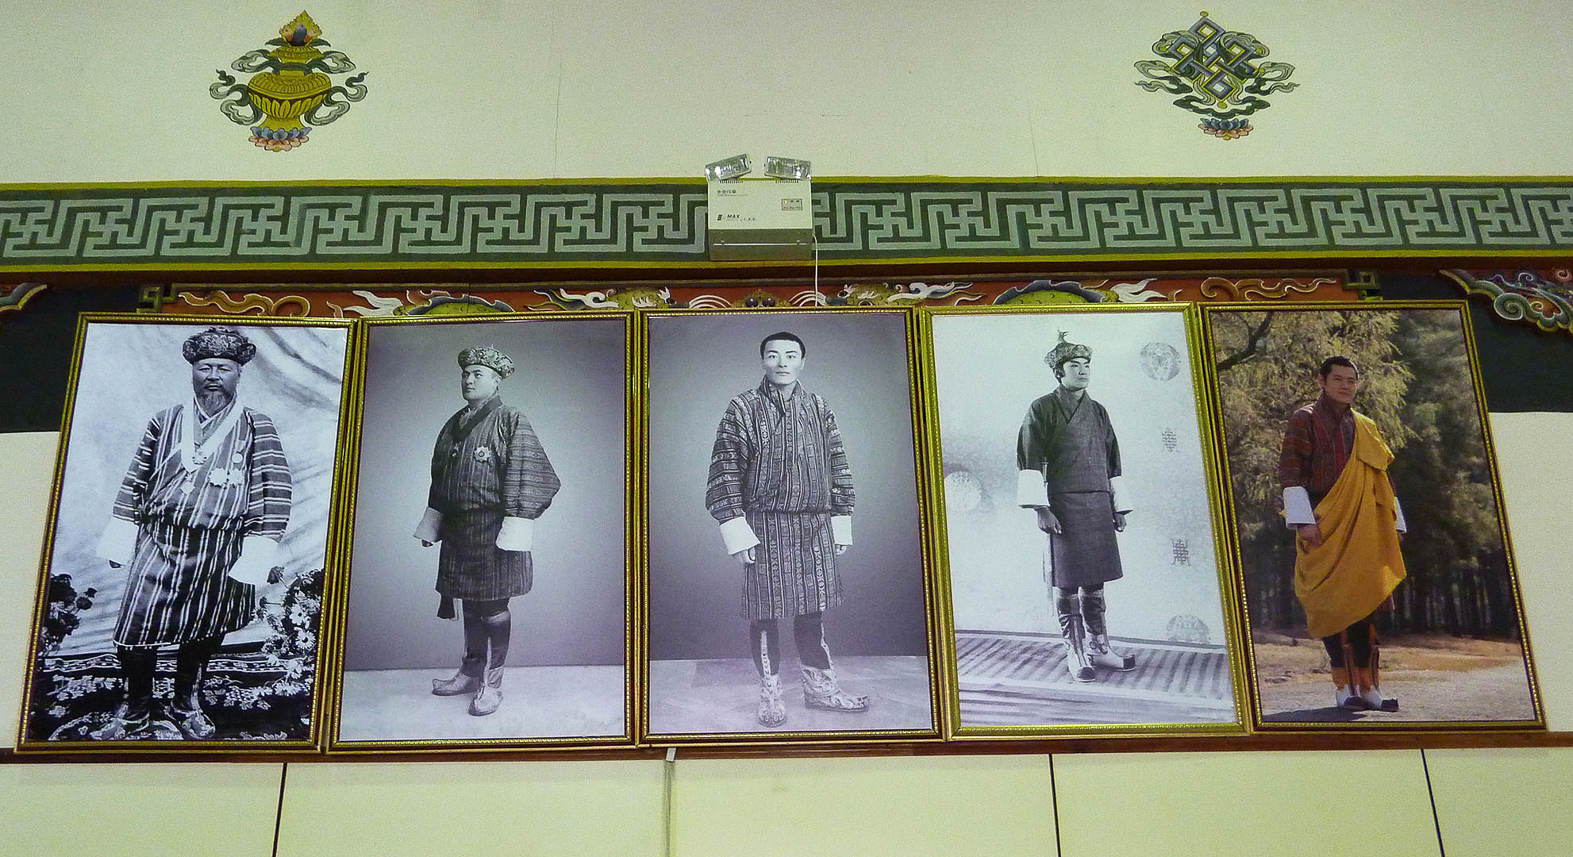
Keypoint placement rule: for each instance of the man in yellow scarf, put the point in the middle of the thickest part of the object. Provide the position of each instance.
(1339, 501)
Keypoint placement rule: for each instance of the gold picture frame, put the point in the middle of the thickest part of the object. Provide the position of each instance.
(571, 680)
(701, 688)
(1450, 605)
(244, 674)
(1021, 610)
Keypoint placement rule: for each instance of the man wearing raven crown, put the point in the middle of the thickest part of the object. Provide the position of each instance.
(1069, 471)
(198, 520)
(490, 480)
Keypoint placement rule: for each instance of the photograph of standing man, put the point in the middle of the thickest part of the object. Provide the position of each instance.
(198, 521)
(1069, 463)
(490, 480)
(781, 490)
(1347, 523)
(750, 534)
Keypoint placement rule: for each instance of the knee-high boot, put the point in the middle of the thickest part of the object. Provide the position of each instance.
(821, 687)
(499, 630)
(191, 663)
(1073, 630)
(1093, 608)
(134, 715)
(471, 666)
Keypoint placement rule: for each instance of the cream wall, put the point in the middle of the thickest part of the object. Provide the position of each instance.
(117, 91)
(99, 91)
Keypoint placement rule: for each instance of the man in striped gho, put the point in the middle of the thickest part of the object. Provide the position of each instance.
(781, 489)
(490, 480)
(198, 519)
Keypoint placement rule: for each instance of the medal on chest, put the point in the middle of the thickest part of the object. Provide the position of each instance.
(226, 477)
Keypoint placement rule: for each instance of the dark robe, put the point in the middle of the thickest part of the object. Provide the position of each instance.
(1071, 445)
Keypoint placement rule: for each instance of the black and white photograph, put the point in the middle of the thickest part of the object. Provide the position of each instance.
(787, 594)
(1376, 569)
(187, 561)
(1085, 575)
(490, 558)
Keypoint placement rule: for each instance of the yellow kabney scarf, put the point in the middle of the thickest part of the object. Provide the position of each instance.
(1358, 563)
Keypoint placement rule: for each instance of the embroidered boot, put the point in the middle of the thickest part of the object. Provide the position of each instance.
(1344, 694)
(821, 690)
(186, 708)
(1098, 649)
(1370, 696)
(1377, 701)
(1074, 631)
(134, 715)
(489, 697)
(772, 711)
(468, 678)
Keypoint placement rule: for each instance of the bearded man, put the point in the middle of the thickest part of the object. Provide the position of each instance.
(198, 519)
(490, 480)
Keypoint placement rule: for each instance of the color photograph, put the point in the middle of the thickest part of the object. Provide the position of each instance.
(488, 592)
(1378, 579)
(1085, 578)
(787, 594)
(188, 561)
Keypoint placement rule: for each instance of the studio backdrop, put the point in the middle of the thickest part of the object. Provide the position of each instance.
(858, 363)
(570, 381)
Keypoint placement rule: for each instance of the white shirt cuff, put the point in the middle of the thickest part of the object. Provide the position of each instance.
(1297, 507)
(257, 555)
(1398, 513)
(517, 534)
(737, 535)
(118, 542)
(1121, 499)
(1031, 490)
(841, 529)
(430, 527)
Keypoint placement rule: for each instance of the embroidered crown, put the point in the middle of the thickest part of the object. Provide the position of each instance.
(219, 342)
(1064, 351)
(485, 355)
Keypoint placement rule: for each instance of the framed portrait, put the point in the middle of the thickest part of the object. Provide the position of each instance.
(489, 559)
(1083, 553)
(1377, 577)
(785, 546)
(188, 554)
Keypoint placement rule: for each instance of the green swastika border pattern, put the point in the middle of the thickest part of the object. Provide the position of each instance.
(590, 224)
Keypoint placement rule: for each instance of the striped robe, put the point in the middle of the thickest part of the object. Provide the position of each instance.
(1071, 446)
(190, 525)
(779, 464)
(487, 465)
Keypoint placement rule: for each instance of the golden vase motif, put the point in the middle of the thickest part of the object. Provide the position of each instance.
(292, 88)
